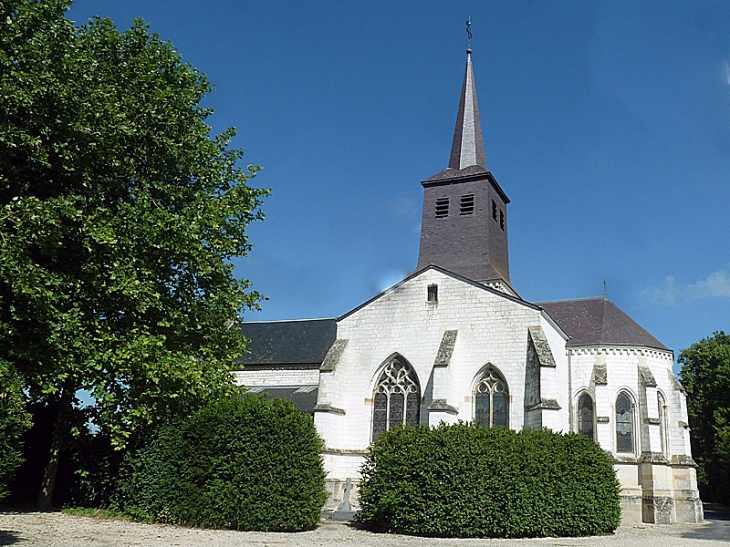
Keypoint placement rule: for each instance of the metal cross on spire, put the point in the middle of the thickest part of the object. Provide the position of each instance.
(468, 33)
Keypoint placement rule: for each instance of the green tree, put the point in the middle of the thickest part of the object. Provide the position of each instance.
(705, 375)
(14, 420)
(119, 214)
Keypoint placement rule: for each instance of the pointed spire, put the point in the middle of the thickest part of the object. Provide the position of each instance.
(468, 146)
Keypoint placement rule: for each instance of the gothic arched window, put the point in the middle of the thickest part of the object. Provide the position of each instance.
(491, 400)
(397, 398)
(585, 415)
(624, 423)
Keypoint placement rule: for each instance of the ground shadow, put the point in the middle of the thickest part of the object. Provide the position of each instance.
(9, 538)
(718, 524)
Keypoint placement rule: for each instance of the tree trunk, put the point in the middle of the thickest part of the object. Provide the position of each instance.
(60, 429)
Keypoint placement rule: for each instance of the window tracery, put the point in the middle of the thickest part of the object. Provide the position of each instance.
(491, 400)
(397, 398)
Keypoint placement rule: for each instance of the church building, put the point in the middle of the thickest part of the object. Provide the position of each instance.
(455, 341)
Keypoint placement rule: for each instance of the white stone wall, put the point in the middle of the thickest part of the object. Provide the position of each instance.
(492, 328)
(277, 377)
(557, 420)
(622, 367)
(658, 482)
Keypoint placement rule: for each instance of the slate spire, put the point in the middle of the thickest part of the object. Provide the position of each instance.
(464, 222)
(468, 146)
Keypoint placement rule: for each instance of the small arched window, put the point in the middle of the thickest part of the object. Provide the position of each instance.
(397, 398)
(491, 400)
(663, 430)
(624, 423)
(585, 415)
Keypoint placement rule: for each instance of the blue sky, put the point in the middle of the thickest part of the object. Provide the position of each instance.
(606, 123)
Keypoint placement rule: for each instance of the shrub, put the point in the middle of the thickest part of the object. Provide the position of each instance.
(466, 480)
(95, 464)
(14, 421)
(247, 463)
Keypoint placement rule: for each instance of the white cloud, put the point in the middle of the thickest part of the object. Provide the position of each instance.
(715, 285)
(666, 294)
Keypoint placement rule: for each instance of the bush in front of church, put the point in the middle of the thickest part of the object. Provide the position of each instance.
(466, 480)
(245, 463)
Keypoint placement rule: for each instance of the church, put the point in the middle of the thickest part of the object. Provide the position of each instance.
(455, 341)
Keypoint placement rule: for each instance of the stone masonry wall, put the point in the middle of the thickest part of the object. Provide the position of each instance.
(490, 329)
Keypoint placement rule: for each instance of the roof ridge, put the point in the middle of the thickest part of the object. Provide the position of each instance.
(581, 299)
(289, 320)
(603, 319)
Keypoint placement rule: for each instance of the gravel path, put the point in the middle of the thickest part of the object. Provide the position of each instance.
(58, 530)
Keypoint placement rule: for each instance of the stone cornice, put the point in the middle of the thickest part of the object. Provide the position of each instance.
(345, 451)
(653, 457)
(683, 460)
(440, 405)
(546, 404)
(329, 409)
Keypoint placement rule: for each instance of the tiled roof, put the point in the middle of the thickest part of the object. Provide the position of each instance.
(303, 397)
(598, 321)
(288, 342)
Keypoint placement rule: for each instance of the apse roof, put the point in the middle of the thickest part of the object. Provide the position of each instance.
(598, 321)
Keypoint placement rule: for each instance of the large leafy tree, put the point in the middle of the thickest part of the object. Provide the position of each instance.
(119, 214)
(705, 375)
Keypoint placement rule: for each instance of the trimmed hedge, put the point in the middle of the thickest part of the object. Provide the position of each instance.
(466, 480)
(247, 463)
(14, 421)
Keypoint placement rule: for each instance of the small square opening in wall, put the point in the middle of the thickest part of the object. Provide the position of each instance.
(466, 206)
(501, 219)
(432, 293)
(442, 207)
(494, 210)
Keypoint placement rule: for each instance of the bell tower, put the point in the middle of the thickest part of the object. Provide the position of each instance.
(464, 223)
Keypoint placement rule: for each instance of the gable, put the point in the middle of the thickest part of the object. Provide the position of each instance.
(398, 287)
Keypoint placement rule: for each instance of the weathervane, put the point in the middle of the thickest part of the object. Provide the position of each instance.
(468, 33)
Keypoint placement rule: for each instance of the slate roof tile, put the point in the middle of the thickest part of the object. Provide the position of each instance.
(598, 321)
(304, 341)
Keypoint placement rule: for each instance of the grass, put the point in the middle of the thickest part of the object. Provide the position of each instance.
(95, 513)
